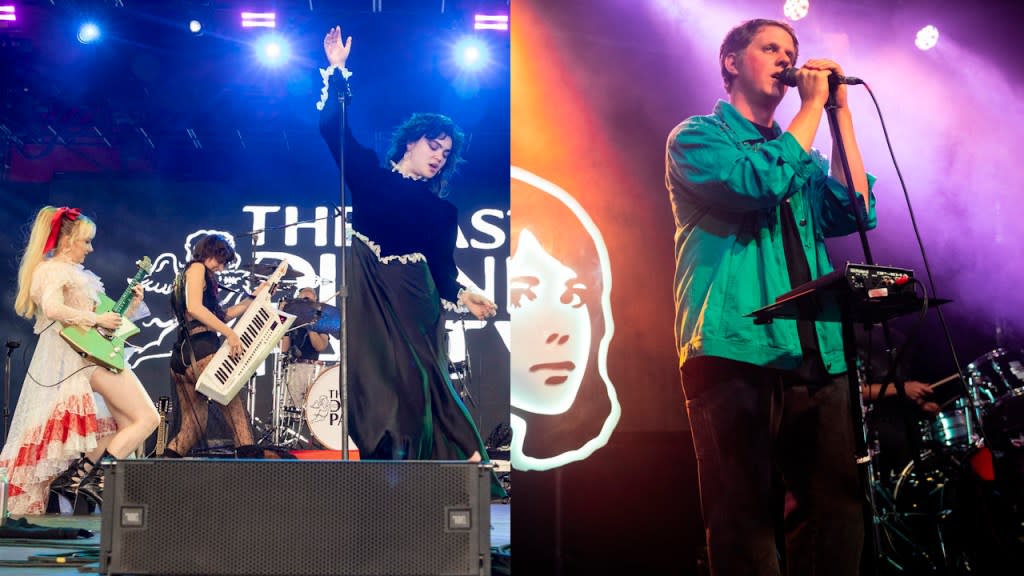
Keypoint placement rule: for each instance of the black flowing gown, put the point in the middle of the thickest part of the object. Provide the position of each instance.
(402, 404)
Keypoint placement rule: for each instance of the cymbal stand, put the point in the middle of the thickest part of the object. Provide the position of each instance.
(280, 376)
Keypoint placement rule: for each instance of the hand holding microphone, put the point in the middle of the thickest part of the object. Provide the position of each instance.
(817, 79)
(788, 77)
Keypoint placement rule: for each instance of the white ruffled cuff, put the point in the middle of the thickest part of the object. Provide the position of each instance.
(325, 75)
(456, 306)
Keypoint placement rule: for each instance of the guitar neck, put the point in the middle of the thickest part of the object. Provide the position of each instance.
(126, 298)
(163, 407)
(161, 437)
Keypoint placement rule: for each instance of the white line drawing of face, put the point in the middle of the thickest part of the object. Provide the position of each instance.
(538, 326)
(550, 329)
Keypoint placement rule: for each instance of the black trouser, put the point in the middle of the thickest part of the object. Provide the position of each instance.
(760, 433)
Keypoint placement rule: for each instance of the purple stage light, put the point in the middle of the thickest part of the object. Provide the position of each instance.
(7, 14)
(927, 37)
(490, 22)
(796, 9)
(259, 20)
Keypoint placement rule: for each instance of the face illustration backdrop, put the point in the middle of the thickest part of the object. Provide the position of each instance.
(596, 88)
(560, 307)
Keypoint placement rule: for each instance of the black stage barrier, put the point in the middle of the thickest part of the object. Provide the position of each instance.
(287, 517)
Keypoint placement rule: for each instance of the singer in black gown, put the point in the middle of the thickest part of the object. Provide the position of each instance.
(401, 401)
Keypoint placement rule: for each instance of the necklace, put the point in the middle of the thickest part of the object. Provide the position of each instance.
(405, 174)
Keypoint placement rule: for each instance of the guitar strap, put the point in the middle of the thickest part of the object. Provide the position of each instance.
(178, 305)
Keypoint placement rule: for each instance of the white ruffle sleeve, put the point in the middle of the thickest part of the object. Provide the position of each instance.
(65, 293)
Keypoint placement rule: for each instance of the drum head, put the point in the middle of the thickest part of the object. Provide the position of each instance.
(998, 374)
(323, 409)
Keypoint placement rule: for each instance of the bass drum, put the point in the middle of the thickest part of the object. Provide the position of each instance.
(944, 516)
(323, 410)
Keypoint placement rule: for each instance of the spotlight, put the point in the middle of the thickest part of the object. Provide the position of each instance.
(7, 14)
(471, 53)
(259, 20)
(927, 37)
(195, 27)
(796, 9)
(272, 50)
(88, 33)
(490, 22)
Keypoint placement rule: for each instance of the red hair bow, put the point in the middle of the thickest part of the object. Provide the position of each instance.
(71, 214)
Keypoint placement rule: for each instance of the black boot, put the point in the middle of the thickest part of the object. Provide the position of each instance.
(66, 484)
(92, 485)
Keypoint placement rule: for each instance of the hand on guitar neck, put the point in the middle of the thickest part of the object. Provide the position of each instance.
(111, 321)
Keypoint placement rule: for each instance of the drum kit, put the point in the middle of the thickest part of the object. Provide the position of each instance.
(958, 506)
(305, 408)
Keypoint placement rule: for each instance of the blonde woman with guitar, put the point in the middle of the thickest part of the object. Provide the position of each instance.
(61, 431)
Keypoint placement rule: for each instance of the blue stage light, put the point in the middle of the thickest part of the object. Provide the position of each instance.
(88, 33)
(471, 53)
(272, 50)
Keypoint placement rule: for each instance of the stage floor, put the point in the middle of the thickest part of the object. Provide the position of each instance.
(15, 554)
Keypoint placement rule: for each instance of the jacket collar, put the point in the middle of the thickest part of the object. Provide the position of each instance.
(741, 126)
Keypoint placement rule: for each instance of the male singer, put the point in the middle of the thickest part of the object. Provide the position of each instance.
(769, 405)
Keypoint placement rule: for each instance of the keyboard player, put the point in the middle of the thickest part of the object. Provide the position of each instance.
(201, 323)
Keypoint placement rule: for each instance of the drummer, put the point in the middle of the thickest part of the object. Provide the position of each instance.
(304, 355)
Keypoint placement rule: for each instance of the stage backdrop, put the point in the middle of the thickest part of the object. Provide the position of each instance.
(160, 137)
(605, 469)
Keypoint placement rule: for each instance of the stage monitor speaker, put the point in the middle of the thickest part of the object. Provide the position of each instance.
(296, 517)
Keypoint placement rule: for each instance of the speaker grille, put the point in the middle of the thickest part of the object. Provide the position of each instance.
(281, 517)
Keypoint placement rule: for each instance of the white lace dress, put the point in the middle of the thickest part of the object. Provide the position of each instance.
(57, 417)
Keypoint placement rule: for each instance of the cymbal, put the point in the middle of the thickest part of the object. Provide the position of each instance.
(267, 268)
(322, 317)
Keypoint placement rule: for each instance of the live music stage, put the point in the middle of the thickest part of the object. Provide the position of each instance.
(597, 87)
(168, 121)
(163, 130)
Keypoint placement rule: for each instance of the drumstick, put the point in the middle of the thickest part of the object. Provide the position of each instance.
(949, 378)
(947, 402)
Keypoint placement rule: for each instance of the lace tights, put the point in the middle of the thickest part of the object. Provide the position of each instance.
(193, 412)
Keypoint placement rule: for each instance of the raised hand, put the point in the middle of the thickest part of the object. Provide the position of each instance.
(336, 51)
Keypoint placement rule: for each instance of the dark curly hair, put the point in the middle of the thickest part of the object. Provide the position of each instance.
(740, 37)
(214, 246)
(431, 126)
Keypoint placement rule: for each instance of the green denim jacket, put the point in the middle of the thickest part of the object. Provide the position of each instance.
(726, 184)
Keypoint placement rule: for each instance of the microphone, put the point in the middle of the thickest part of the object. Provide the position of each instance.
(788, 77)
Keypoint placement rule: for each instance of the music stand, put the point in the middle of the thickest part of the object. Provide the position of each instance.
(832, 298)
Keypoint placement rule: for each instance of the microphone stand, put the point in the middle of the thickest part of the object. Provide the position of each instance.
(341, 277)
(11, 345)
(857, 407)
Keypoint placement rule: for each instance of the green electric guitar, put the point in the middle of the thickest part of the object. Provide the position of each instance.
(104, 346)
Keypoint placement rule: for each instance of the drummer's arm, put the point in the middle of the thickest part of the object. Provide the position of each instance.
(916, 391)
(318, 340)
